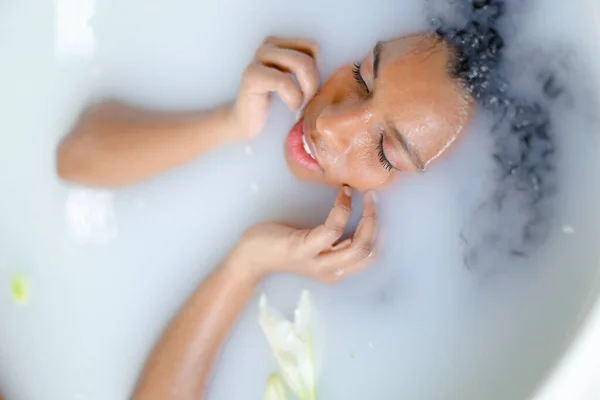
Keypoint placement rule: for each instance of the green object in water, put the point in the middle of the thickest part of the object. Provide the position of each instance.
(19, 289)
(275, 389)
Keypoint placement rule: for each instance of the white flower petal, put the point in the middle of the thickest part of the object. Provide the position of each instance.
(291, 344)
(275, 389)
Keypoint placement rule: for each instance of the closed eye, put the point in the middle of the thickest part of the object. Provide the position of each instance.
(382, 157)
(358, 77)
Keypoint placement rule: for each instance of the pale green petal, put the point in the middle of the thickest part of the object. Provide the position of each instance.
(302, 315)
(291, 344)
(19, 288)
(275, 389)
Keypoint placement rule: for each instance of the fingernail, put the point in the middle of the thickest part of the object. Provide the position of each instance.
(347, 191)
(339, 272)
(374, 196)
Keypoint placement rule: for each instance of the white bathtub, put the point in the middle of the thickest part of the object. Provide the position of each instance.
(107, 269)
(576, 375)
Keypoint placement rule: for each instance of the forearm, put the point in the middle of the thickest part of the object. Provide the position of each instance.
(180, 364)
(116, 145)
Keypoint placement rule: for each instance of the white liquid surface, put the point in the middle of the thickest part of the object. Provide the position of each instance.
(105, 283)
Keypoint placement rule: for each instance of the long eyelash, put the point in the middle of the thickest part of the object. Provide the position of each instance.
(383, 159)
(358, 77)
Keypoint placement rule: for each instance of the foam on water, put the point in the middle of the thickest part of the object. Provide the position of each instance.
(417, 325)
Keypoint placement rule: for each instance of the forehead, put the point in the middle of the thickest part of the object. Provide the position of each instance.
(412, 45)
(423, 55)
(415, 92)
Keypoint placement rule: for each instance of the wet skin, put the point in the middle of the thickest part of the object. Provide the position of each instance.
(399, 109)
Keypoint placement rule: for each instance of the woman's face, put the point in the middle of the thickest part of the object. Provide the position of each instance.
(397, 110)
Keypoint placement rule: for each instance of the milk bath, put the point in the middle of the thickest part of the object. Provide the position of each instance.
(417, 325)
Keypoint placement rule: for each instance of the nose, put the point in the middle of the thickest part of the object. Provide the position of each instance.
(340, 124)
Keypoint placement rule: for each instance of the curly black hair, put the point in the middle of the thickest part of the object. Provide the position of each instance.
(524, 144)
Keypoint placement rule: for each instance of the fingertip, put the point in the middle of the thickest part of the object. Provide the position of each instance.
(373, 196)
(374, 255)
(294, 102)
(347, 190)
(303, 106)
(370, 202)
(316, 51)
(295, 105)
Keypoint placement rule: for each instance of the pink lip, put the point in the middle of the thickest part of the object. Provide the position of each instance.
(295, 148)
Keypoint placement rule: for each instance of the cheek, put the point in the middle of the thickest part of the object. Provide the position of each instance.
(337, 88)
(363, 170)
(369, 179)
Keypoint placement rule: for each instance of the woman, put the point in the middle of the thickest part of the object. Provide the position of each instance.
(398, 109)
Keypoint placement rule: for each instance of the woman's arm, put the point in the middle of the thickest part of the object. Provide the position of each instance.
(179, 366)
(114, 144)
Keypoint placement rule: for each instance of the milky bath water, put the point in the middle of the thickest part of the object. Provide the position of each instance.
(107, 269)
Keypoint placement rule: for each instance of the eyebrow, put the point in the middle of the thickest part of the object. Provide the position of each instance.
(376, 58)
(414, 157)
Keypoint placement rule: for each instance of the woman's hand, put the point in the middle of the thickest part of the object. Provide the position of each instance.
(275, 64)
(270, 247)
(181, 362)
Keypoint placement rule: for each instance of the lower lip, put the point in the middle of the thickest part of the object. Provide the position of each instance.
(295, 148)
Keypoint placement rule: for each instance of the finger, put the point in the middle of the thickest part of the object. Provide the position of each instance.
(324, 236)
(335, 275)
(342, 245)
(342, 273)
(306, 46)
(359, 266)
(297, 63)
(362, 243)
(261, 80)
(364, 237)
(337, 246)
